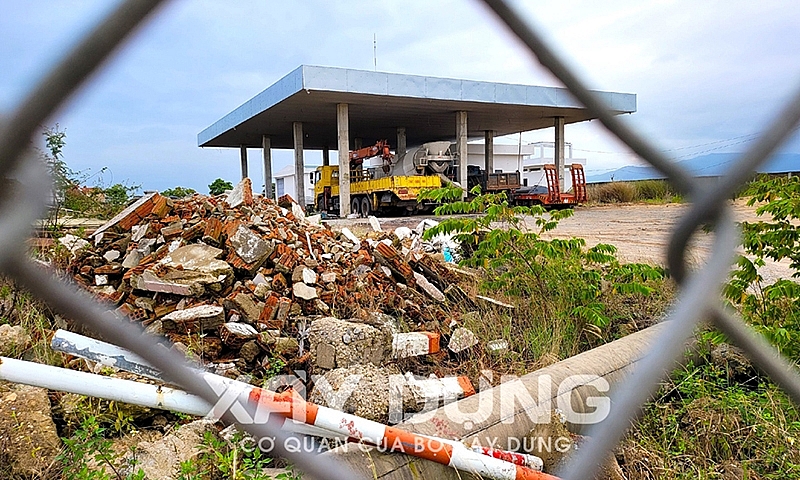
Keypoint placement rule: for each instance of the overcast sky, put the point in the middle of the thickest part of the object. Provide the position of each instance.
(707, 74)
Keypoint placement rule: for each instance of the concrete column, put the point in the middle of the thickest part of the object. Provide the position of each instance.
(243, 158)
(343, 125)
(461, 149)
(326, 156)
(401, 147)
(299, 166)
(559, 150)
(266, 147)
(488, 152)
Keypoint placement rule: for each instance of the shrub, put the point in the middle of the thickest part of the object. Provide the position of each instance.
(179, 192)
(562, 290)
(219, 186)
(654, 190)
(614, 192)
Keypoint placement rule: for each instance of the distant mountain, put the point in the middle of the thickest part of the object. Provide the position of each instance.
(711, 165)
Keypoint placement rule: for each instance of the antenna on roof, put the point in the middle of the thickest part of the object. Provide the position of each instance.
(375, 51)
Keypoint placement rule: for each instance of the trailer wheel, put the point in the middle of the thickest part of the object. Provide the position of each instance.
(366, 207)
(355, 206)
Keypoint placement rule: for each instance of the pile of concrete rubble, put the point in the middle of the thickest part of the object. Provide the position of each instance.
(249, 286)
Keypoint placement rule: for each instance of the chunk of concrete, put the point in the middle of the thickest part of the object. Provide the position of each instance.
(241, 194)
(250, 247)
(162, 459)
(196, 267)
(195, 319)
(247, 307)
(361, 390)
(74, 244)
(150, 282)
(338, 343)
(462, 339)
(428, 287)
(402, 233)
(13, 340)
(28, 436)
(374, 223)
(301, 290)
(350, 236)
(236, 334)
(111, 255)
(309, 276)
(132, 259)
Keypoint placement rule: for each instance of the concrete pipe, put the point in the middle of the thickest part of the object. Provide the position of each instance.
(498, 417)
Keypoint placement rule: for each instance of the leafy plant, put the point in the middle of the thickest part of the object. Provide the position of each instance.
(219, 458)
(179, 192)
(89, 444)
(564, 286)
(773, 309)
(219, 186)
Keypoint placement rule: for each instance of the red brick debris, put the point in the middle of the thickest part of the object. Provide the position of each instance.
(239, 284)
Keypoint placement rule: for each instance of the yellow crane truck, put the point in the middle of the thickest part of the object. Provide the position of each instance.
(392, 186)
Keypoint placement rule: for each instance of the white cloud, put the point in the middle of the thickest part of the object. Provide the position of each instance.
(703, 71)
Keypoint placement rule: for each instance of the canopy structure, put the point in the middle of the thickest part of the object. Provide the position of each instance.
(323, 108)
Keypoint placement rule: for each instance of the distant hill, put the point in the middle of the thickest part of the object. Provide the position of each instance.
(711, 165)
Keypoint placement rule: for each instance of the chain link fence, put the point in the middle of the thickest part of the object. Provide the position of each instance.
(20, 208)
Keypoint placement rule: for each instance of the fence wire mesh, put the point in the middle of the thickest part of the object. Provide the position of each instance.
(19, 209)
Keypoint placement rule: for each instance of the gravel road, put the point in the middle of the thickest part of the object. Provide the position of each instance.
(639, 231)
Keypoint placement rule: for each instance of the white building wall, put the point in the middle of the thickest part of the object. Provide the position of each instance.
(286, 176)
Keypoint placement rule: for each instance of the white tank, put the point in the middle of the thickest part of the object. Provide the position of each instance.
(430, 158)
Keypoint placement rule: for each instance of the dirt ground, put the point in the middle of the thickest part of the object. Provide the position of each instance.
(639, 231)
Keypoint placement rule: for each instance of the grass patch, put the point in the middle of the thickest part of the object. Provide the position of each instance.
(648, 191)
(704, 424)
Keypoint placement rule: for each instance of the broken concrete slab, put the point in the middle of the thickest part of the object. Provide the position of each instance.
(201, 318)
(428, 287)
(195, 266)
(131, 215)
(361, 390)
(338, 343)
(111, 255)
(236, 334)
(150, 282)
(132, 259)
(242, 194)
(350, 236)
(309, 276)
(250, 247)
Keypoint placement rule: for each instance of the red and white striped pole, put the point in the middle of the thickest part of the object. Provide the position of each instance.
(357, 429)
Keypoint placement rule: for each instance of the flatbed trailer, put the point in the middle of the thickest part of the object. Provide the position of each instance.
(554, 197)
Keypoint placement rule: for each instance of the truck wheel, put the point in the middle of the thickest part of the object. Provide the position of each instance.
(366, 207)
(354, 206)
